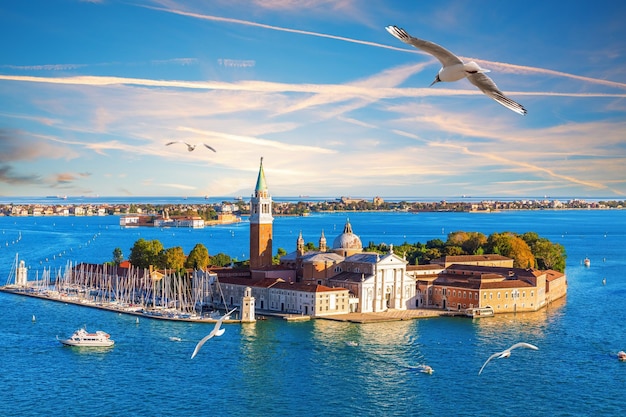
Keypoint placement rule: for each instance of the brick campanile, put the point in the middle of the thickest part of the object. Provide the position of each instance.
(261, 224)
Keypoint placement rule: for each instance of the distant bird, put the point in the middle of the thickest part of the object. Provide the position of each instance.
(454, 69)
(215, 332)
(506, 353)
(190, 147)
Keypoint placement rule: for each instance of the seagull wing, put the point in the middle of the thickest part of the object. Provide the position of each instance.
(209, 147)
(442, 54)
(171, 143)
(202, 342)
(487, 86)
(523, 344)
(217, 330)
(495, 355)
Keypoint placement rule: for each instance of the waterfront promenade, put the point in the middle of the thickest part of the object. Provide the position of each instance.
(379, 317)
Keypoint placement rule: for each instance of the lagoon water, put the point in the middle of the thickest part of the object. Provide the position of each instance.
(274, 367)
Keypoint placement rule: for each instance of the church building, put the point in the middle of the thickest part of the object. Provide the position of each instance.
(375, 282)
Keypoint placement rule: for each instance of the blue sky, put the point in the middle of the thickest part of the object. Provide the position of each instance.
(91, 91)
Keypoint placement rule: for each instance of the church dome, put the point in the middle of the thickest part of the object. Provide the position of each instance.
(347, 240)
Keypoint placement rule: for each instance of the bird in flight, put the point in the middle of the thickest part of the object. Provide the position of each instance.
(190, 147)
(217, 331)
(454, 69)
(507, 352)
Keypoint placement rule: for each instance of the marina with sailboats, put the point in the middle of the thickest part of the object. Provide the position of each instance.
(138, 292)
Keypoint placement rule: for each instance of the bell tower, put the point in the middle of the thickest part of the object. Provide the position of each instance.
(261, 224)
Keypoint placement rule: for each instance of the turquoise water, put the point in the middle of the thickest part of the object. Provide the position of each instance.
(278, 368)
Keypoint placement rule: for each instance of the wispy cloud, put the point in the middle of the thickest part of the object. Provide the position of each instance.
(45, 67)
(265, 143)
(236, 63)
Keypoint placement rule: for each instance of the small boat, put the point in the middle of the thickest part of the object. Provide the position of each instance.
(82, 338)
(425, 369)
(351, 343)
(587, 262)
(478, 312)
(175, 339)
(621, 355)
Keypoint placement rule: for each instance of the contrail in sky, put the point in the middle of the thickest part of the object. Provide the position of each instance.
(513, 67)
(261, 86)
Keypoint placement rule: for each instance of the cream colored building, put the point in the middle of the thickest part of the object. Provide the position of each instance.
(275, 295)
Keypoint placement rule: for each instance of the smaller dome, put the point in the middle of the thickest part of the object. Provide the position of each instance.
(347, 240)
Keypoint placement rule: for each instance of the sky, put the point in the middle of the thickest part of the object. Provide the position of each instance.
(91, 91)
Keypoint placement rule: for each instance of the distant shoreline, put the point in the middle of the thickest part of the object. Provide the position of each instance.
(302, 208)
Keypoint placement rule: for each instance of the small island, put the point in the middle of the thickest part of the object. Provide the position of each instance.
(470, 274)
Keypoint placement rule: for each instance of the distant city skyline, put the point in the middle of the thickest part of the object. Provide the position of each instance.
(91, 91)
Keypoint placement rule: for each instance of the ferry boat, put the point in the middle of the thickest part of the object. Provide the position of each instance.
(82, 338)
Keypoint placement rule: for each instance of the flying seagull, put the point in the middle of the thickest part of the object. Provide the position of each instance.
(190, 147)
(215, 332)
(454, 69)
(506, 353)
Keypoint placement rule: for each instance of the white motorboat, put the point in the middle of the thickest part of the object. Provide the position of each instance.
(83, 338)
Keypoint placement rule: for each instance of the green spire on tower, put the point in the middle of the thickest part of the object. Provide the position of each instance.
(261, 185)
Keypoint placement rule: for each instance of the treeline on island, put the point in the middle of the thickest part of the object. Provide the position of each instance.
(528, 250)
(147, 253)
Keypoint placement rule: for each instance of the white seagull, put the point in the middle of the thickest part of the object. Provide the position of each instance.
(215, 332)
(506, 353)
(454, 69)
(190, 147)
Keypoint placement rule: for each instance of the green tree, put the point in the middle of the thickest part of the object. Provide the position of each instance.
(198, 257)
(145, 253)
(118, 256)
(453, 250)
(279, 254)
(474, 243)
(549, 255)
(221, 259)
(173, 259)
(457, 238)
(435, 243)
(512, 246)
